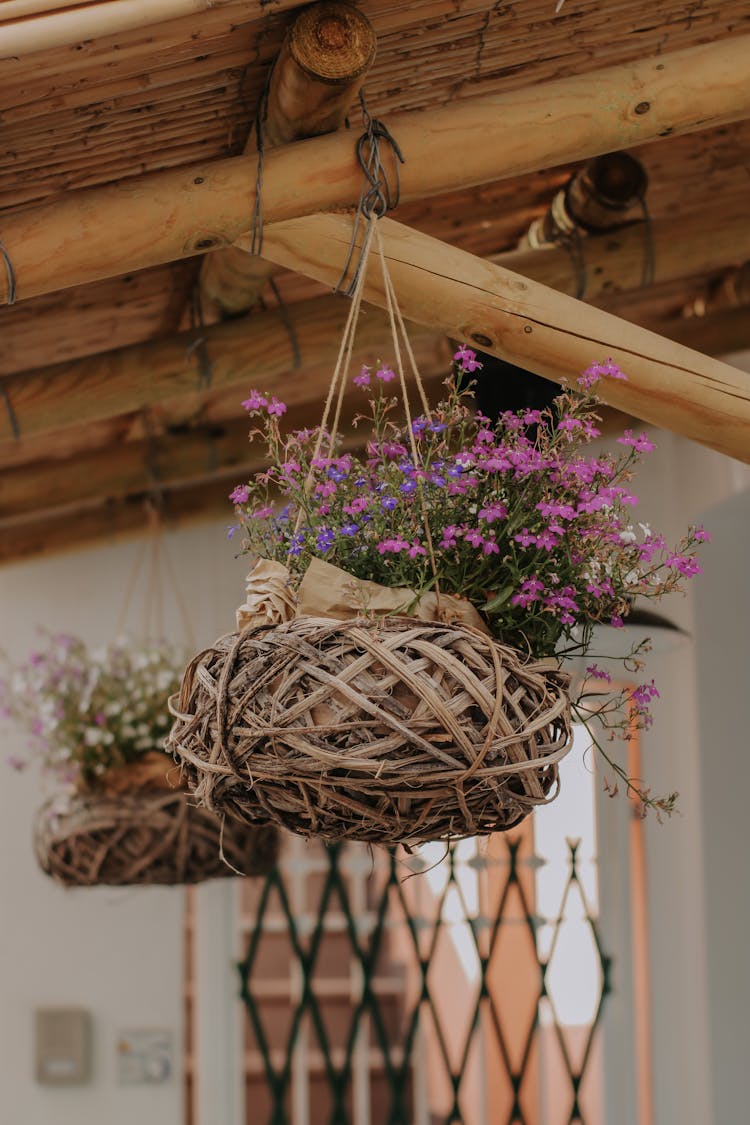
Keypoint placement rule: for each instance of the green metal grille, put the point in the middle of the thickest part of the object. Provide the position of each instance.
(445, 1010)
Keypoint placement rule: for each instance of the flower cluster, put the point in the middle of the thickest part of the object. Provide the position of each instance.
(88, 710)
(511, 514)
(516, 514)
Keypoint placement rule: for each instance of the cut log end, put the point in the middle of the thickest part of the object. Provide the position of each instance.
(332, 42)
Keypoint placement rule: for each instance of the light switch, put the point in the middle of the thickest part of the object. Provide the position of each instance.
(62, 1046)
(144, 1056)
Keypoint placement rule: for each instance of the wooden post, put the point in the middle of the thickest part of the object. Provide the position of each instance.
(532, 326)
(327, 51)
(106, 231)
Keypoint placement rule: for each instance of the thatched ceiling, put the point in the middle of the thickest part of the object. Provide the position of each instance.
(97, 110)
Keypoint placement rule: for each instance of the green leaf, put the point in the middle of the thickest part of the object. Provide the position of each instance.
(499, 599)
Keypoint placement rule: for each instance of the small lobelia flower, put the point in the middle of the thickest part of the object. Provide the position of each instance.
(385, 374)
(276, 407)
(467, 359)
(240, 494)
(640, 444)
(255, 402)
(363, 379)
(597, 371)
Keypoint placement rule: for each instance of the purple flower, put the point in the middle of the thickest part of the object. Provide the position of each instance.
(419, 425)
(474, 537)
(349, 529)
(437, 427)
(467, 358)
(493, 512)
(597, 371)
(363, 379)
(296, 543)
(389, 503)
(276, 407)
(408, 486)
(239, 494)
(640, 444)
(525, 538)
(684, 565)
(598, 673)
(255, 401)
(547, 539)
(385, 374)
(263, 513)
(232, 529)
(325, 539)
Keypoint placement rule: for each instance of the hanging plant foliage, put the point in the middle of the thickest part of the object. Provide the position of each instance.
(96, 722)
(398, 674)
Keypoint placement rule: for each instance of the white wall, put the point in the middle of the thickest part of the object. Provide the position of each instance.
(116, 952)
(688, 919)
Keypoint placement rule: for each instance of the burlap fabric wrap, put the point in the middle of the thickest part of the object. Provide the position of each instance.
(388, 729)
(135, 829)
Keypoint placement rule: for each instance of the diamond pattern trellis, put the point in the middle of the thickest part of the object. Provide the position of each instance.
(386, 989)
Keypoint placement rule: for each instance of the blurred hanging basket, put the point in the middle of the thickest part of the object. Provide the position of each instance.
(136, 831)
(391, 730)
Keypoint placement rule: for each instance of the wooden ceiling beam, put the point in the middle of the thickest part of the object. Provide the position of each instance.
(141, 221)
(221, 451)
(325, 55)
(638, 254)
(258, 351)
(30, 26)
(540, 330)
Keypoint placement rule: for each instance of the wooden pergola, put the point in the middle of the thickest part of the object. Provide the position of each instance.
(133, 319)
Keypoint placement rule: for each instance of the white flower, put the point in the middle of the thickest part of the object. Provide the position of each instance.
(628, 536)
(92, 736)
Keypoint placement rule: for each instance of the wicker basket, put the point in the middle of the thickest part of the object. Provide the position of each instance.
(389, 731)
(147, 837)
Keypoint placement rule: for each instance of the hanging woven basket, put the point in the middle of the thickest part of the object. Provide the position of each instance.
(147, 837)
(395, 730)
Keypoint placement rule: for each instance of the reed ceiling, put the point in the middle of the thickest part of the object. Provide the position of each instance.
(183, 92)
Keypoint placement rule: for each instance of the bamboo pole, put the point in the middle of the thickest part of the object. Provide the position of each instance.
(54, 25)
(327, 51)
(543, 331)
(160, 217)
(244, 354)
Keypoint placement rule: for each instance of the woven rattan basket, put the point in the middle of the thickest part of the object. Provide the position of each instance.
(391, 731)
(147, 838)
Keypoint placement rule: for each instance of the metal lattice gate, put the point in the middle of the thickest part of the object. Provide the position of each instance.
(376, 996)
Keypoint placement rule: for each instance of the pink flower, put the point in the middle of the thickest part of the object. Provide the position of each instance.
(326, 489)
(598, 673)
(701, 535)
(640, 444)
(240, 494)
(684, 565)
(493, 512)
(416, 549)
(276, 407)
(467, 358)
(525, 538)
(363, 379)
(385, 374)
(547, 539)
(255, 402)
(263, 513)
(597, 371)
(474, 537)
(490, 547)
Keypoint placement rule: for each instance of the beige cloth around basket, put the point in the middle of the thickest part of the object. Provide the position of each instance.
(330, 592)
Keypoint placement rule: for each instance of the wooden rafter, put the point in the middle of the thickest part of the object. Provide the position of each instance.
(536, 328)
(102, 232)
(325, 55)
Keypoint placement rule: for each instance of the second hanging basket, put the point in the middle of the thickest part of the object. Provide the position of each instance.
(391, 731)
(146, 835)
